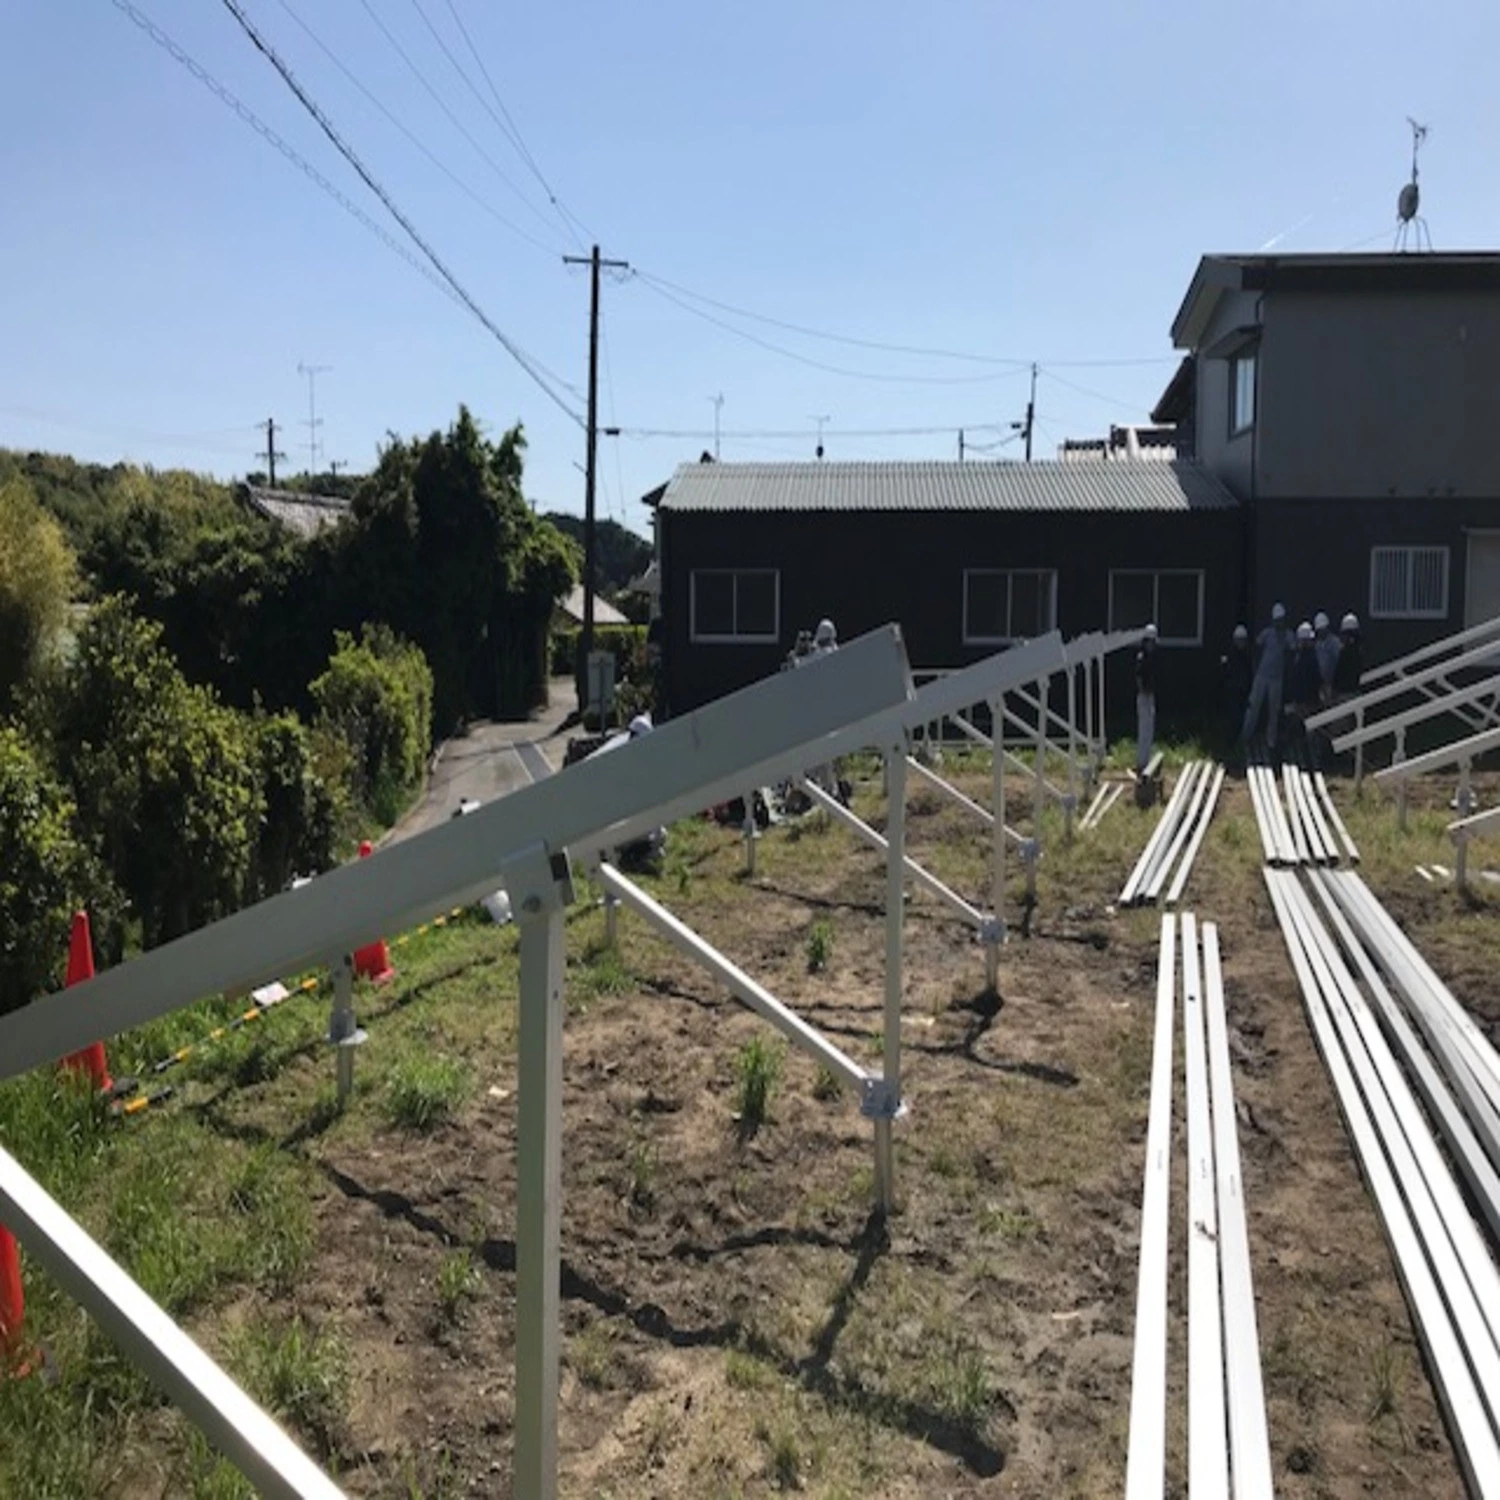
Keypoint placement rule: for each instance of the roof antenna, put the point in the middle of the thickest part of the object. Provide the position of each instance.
(822, 422)
(1411, 227)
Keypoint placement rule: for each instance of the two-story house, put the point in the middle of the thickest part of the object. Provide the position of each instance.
(1351, 403)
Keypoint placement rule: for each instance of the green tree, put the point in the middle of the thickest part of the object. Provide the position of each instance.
(376, 696)
(305, 809)
(163, 774)
(620, 556)
(37, 580)
(48, 873)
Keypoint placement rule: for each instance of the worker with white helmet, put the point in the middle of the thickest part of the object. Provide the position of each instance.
(1236, 669)
(825, 638)
(1327, 646)
(1350, 663)
(1145, 698)
(1304, 683)
(1270, 677)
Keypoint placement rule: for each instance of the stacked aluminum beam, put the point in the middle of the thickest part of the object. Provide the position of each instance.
(1450, 1280)
(1175, 840)
(1298, 822)
(1105, 798)
(1227, 1435)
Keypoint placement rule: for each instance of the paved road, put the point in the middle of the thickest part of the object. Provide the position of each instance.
(491, 760)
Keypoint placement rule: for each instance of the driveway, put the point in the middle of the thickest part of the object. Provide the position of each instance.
(491, 760)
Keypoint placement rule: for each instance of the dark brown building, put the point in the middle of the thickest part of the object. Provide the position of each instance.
(967, 558)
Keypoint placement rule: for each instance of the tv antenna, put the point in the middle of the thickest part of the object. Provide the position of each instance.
(314, 421)
(822, 423)
(1411, 228)
(718, 405)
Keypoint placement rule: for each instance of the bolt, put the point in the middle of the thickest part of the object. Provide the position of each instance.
(532, 905)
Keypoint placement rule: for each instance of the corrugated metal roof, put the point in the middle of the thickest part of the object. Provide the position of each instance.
(306, 515)
(1157, 485)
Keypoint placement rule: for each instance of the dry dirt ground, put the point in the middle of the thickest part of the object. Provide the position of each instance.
(735, 1325)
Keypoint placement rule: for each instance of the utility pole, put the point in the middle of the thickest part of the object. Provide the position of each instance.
(593, 262)
(718, 402)
(271, 454)
(1024, 428)
(822, 423)
(313, 423)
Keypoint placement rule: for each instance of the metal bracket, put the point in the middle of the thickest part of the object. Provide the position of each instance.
(992, 932)
(1030, 851)
(881, 1101)
(539, 880)
(343, 1026)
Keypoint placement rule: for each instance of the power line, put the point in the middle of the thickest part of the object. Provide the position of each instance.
(416, 141)
(1084, 390)
(695, 434)
(817, 364)
(457, 124)
(919, 350)
(347, 152)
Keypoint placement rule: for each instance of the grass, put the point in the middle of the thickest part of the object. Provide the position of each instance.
(819, 945)
(826, 1085)
(301, 1374)
(593, 1355)
(424, 1091)
(457, 1284)
(757, 1069)
(641, 1164)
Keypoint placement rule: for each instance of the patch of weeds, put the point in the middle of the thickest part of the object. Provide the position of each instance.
(819, 945)
(1387, 1369)
(48, 1453)
(746, 1373)
(60, 1122)
(266, 1192)
(440, 1485)
(300, 1373)
(758, 1069)
(591, 1353)
(457, 1283)
(424, 1091)
(213, 1477)
(641, 1167)
(152, 1230)
(862, 1183)
(959, 1386)
(606, 973)
(785, 1454)
(826, 1085)
(943, 1163)
(1007, 1223)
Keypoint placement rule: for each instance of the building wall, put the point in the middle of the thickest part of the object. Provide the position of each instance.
(863, 570)
(1232, 459)
(1313, 554)
(1383, 394)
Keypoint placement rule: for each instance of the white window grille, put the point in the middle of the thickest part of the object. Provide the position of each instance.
(1002, 605)
(1169, 598)
(1409, 583)
(735, 605)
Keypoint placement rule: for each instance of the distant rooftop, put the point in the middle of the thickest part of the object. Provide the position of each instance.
(305, 515)
(1162, 485)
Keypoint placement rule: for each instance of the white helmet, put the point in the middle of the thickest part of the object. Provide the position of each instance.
(1150, 633)
(1320, 621)
(1349, 622)
(825, 634)
(1278, 611)
(1304, 631)
(1240, 633)
(640, 725)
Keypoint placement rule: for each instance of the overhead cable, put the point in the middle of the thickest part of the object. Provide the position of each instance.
(348, 153)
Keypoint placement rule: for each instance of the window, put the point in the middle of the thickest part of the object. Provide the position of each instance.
(736, 604)
(1172, 598)
(1241, 393)
(1008, 604)
(1409, 583)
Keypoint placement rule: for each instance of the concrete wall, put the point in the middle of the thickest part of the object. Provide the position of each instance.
(865, 570)
(1393, 394)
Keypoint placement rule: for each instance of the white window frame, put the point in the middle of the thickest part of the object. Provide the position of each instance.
(735, 638)
(1410, 549)
(1156, 575)
(1009, 575)
(1246, 358)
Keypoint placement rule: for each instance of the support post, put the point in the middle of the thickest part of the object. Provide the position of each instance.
(1102, 722)
(611, 921)
(1461, 859)
(994, 937)
(749, 831)
(1040, 800)
(1401, 804)
(1465, 789)
(1359, 751)
(343, 1028)
(539, 886)
(895, 915)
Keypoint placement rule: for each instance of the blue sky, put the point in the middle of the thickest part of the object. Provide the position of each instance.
(1019, 182)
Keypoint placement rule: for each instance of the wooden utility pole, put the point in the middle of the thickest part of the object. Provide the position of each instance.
(271, 454)
(593, 262)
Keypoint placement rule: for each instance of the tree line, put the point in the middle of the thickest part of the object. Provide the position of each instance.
(194, 704)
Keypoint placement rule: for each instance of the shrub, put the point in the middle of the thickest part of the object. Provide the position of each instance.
(758, 1067)
(37, 575)
(424, 1091)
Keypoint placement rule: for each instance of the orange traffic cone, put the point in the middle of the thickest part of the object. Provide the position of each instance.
(373, 961)
(13, 1354)
(80, 967)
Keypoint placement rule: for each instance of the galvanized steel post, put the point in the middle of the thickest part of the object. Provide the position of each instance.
(895, 912)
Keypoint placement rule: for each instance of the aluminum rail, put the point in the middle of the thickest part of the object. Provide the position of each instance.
(1249, 1442)
(1463, 1145)
(1465, 829)
(1320, 785)
(1179, 882)
(923, 878)
(1432, 708)
(1186, 827)
(1145, 1461)
(1275, 815)
(1014, 761)
(1294, 817)
(1486, 630)
(1160, 835)
(1454, 1385)
(947, 788)
(736, 981)
(1263, 824)
(1390, 691)
(1208, 1454)
(1453, 754)
(760, 735)
(1312, 808)
(231, 1421)
(1110, 793)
